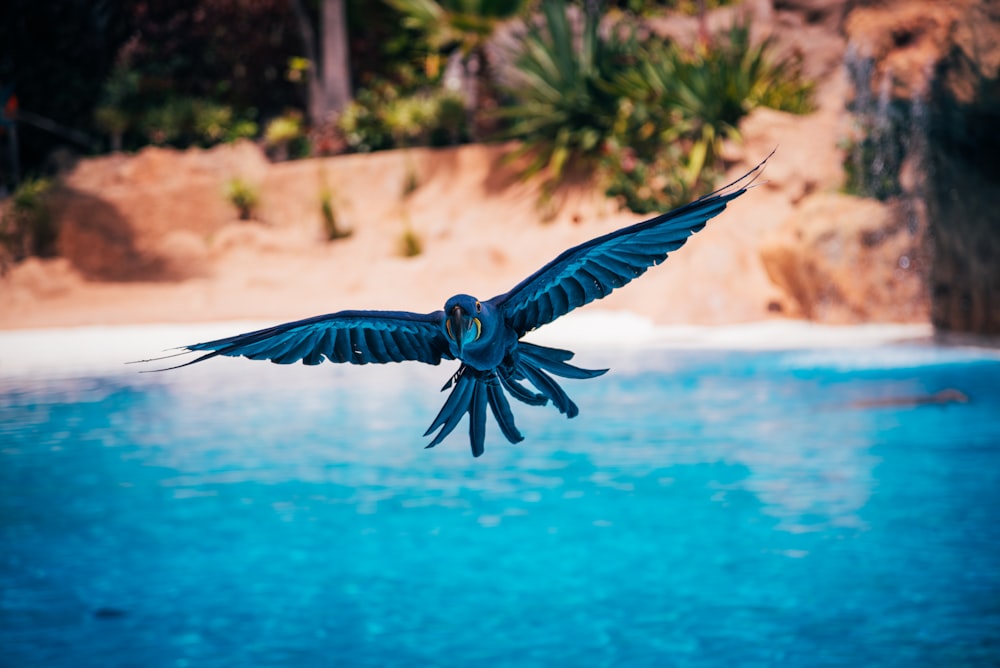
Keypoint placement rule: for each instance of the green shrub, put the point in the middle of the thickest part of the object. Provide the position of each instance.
(649, 7)
(211, 122)
(285, 136)
(186, 121)
(380, 118)
(362, 122)
(244, 196)
(683, 104)
(677, 108)
(644, 186)
(649, 115)
(114, 121)
(284, 128)
(564, 105)
(451, 121)
(168, 123)
(27, 227)
(409, 119)
(114, 113)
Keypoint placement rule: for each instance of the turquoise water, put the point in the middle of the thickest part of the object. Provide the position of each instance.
(796, 508)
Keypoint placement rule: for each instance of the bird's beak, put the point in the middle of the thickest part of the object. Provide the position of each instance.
(461, 328)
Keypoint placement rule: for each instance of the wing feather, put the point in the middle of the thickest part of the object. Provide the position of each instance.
(392, 349)
(373, 338)
(560, 298)
(358, 337)
(593, 269)
(341, 347)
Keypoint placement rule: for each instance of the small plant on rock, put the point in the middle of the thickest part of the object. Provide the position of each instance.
(244, 196)
(331, 228)
(410, 244)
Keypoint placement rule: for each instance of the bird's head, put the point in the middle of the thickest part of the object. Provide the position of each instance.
(462, 323)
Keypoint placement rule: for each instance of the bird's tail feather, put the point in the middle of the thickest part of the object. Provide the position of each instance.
(531, 363)
(550, 389)
(455, 406)
(520, 392)
(554, 361)
(501, 411)
(472, 391)
(477, 418)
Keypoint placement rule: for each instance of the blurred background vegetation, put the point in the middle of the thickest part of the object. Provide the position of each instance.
(580, 87)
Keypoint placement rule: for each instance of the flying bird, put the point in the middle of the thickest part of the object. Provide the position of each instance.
(486, 335)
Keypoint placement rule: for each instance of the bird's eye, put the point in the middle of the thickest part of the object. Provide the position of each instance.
(479, 307)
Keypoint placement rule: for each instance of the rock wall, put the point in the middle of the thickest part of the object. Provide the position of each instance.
(844, 259)
(942, 59)
(964, 176)
(798, 249)
(142, 217)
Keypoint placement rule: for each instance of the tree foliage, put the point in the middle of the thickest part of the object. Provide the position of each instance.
(124, 73)
(565, 103)
(651, 115)
(581, 93)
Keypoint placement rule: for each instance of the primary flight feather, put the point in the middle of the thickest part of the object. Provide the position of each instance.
(485, 336)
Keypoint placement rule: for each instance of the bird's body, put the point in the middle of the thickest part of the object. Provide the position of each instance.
(485, 336)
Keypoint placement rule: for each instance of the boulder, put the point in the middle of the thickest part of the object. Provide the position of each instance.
(842, 259)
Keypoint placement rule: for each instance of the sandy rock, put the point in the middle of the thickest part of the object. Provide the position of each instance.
(827, 14)
(481, 231)
(159, 243)
(118, 213)
(100, 241)
(34, 283)
(801, 164)
(810, 30)
(253, 236)
(184, 254)
(842, 259)
(40, 278)
(905, 38)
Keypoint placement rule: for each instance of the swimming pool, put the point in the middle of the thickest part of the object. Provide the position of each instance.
(707, 508)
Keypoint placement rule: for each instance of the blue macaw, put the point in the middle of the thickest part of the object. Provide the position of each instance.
(485, 335)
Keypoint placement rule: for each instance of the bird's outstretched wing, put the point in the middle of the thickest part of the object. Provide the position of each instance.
(357, 337)
(593, 269)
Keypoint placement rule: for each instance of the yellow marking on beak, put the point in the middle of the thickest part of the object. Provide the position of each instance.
(451, 335)
(479, 328)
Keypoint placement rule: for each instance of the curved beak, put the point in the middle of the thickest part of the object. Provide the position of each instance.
(462, 329)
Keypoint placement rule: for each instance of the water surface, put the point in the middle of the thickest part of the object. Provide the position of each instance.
(707, 508)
